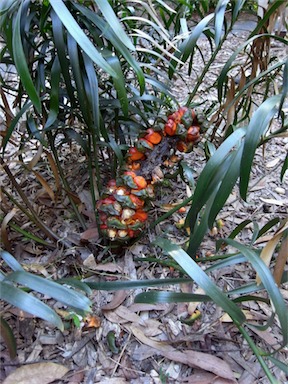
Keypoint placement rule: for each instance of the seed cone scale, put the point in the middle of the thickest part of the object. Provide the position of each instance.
(122, 209)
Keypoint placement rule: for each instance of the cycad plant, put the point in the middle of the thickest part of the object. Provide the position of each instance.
(92, 76)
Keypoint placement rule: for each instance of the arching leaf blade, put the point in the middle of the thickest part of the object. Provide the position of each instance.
(219, 18)
(269, 284)
(256, 128)
(21, 63)
(29, 303)
(110, 35)
(170, 297)
(227, 183)
(201, 278)
(54, 94)
(189, 44)
(78, 34)
(119, 83)
(114, 23)
(11, 261)
(59, 292)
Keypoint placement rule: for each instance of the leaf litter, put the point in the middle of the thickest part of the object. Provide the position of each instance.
(152, 343)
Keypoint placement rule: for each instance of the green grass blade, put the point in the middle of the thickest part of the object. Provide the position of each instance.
(285, 85)
(110, 35)
(232, 260)
(279, 364)
(120, 285)
(256, 128)
(54, 93)
(204, 187)
(11, 261)
(268, 226)
(34, 130)
(236, 6)
(78, 34)
(200, 227)
(119, 83)
(94, 93)
(47, 287)
(227, 183)
(268, 282)
(21, 62)
(170, 297)
(75, 283)
(60, 44)
(200, 277)
(113, 21)
(78, 77)
(29, 303)
(190, 44)
(284, 168)
(219, 18)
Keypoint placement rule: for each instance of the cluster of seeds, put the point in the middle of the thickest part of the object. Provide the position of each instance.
(123, 206)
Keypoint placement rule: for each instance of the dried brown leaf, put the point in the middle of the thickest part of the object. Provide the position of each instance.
(109, 267)
(268, 251)
(54, 169)
(204, 377)
(191, 358)
(45, 185)
(35, 158)
(90, 234)
(43, 373)
(117, 300)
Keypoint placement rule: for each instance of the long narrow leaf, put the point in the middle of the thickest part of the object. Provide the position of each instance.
(120, 285)
(200, 277)
(257, 127)
(47, 287)
(60, 44)
(113, 21)
(21, 62)
(119, 83)
(7, 335)
(29, 303)
(110, 35)
(189, 45)
(219, 18)
(54, 94)
(77, 33)
(268, 282)
(203, 189)
(227, 184)
(94, 92)
(78, 77)
(170, 297)
(11, 261)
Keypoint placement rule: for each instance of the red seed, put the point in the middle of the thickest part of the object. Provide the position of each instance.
(140, 215)
(152, 136)
(140, 182)
(139, 203)
(193, 133)
(134, 154)
(170, 127)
